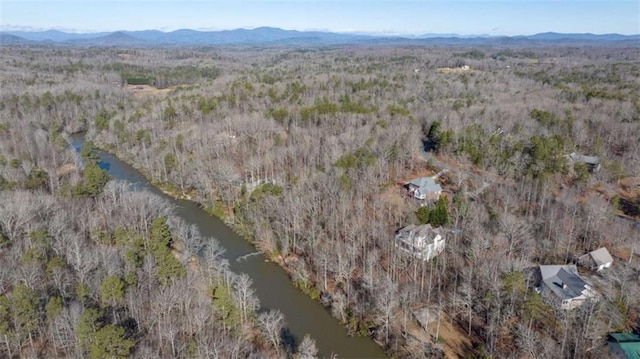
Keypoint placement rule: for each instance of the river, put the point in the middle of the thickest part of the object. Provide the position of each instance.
(271, 283)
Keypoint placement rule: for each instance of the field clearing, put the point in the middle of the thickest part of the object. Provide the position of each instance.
(147, 90)
(126, 57)
(453, 70)
(65, 169)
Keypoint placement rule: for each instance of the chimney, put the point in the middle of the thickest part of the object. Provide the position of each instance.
(564, 285)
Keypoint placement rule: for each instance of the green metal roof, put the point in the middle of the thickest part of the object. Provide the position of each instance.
(629, 343)
(625, 337)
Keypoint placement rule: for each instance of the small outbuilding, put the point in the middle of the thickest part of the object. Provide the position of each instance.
(596, 260)
(592, 162)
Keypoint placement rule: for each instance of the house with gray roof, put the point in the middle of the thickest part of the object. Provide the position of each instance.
(562, 285)
(592, 162)
(421, 241)
(424, 188)
(596, 260)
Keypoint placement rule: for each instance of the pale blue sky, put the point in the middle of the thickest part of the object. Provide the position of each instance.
(502, 17)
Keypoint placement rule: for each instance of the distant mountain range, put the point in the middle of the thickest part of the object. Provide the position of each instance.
(269, 36)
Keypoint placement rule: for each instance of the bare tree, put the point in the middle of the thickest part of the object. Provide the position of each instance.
(272, 323)
(244, 295)
(307, 348)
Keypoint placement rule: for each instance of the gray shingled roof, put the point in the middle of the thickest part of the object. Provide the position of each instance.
(426, 185)
(554, 276)
(578, 157)
(419, 235)
(601, 256)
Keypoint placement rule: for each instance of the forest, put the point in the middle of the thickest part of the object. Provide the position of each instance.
(306, 153)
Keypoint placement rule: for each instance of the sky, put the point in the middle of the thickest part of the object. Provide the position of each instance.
(402, 17)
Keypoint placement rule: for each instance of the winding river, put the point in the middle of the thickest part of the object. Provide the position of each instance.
(271, 283)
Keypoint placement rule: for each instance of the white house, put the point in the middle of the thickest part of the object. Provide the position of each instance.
(563, 285)
(424, 188)
(596, 260)
(420, 241)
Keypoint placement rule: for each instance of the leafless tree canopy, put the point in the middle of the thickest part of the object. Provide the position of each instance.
(304, 151)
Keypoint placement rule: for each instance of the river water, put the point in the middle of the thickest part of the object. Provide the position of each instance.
(271, 283)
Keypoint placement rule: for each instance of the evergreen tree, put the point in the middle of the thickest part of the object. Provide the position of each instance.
(54, 307)
(82, 291)
(88, 152)
(109, 343)
(440, 215)
(170, 163)
(422, 214)
(581, 171)
(167, 266)
(37, 179)
(225, 307)
(435, 135)
(5, 315)
(160, 233)
(95, 178)
(88, 325)
(111, 290)
(24, 302)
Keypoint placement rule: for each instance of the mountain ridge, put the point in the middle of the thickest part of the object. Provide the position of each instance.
(274, 36)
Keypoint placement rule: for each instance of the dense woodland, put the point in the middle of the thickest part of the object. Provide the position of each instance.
(304, 151)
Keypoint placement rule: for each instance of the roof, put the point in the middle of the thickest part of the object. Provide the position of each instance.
(426, 185)
(590, 160)
(420, 236)
(629, 343)
(563, 280)
(625, 337)
(601, 256)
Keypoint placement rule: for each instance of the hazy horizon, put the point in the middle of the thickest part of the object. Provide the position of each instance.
(364, 33)
(385, 17)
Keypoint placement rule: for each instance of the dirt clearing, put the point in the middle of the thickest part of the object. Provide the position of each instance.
(147, 90)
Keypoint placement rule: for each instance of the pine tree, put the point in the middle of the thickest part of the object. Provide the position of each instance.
(111, 290)
(434, 136)
(24, 301)
(54, 307)
(422, 214)
(88, 152)
(440, 215)
(95, 179)
(5, 317)
(88, 324)
(109, 343)
(167, 266)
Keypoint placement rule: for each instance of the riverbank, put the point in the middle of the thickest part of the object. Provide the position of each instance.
(271, 278)
(226, 215)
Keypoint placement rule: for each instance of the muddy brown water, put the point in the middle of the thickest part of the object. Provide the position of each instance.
(271, 283)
